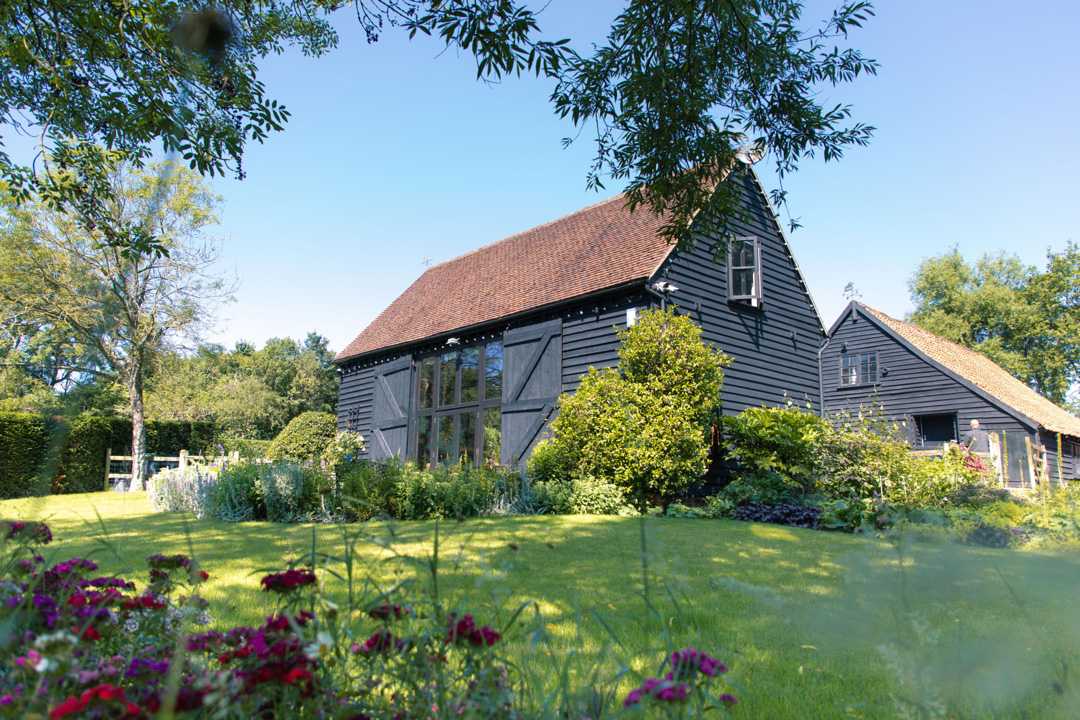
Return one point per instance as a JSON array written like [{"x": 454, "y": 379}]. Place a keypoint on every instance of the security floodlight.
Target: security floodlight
[
  {"x": 453, "y": 341},
  {"x": 664, "y": 286}
]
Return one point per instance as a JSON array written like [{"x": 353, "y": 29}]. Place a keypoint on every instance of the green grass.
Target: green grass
[{"x": 813, "y": 624}]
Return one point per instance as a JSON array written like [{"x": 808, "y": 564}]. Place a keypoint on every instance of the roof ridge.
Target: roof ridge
[
  {"x": 964, "y": 348},
  {"x": 519, "y": 233}
]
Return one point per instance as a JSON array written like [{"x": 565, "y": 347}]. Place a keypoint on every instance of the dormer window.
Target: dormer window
[{"x": 744, "y": 270}]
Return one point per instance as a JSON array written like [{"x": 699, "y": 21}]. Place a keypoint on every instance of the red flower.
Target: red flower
[
  {"x": 465, "y": 629},
  {"x": 89, "y": 633},
  {"x": 297, "y": 674},
  {"x": 69, "y": 707},
  {"x": 287, "y": 581}
]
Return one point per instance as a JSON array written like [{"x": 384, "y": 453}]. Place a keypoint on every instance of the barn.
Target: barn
[
  {"x": 467, "y": 363},
  {"x": 939, "y": 387}
]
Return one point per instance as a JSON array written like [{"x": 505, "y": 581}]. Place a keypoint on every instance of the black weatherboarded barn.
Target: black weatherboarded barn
[
  {"x": 469, "y": 361},
  {"x": 871, "y": 359}
]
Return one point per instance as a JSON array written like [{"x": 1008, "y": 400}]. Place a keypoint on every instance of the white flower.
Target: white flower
[
  {"x": 44, "y": 665},
  {"x": 131, "y": 625},
  {"x": 322, "y": 646},
  {"x": 63, "y": 637}
]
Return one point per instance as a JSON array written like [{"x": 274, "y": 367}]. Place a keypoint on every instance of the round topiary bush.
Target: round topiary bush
[{"x": 305, "y": 437}]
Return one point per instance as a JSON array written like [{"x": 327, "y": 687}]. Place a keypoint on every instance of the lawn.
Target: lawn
[{"x": 813, "y": 624}]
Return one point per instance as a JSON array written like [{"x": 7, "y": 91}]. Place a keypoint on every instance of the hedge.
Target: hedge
[
  {"x": 24, "y": 449},
  {"x": 304, "y": 438},
  {"x": 82, "y": 444}
]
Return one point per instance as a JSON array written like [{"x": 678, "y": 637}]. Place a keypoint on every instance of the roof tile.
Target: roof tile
[{"x": 598, "y": 247}]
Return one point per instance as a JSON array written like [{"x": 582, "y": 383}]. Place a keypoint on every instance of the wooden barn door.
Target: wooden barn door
[
  {"x": 390, "y": 409},
  {"x": 532, "y": 381}
]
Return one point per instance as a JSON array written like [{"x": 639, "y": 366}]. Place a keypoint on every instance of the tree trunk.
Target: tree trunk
[{"x": 138, "y": 426}]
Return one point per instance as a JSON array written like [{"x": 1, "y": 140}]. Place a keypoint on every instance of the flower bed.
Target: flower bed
[{"x": 100, "y": 646}]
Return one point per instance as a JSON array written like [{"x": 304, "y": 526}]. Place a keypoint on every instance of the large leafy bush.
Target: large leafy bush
[
  {"x": 790, "y": 455},
  {"x": 643, "y": 427},
  {"x": 289, "y": 492},
  {"x": 776, "y": 448},
  {"x": 456, "y": 491},
  {"x": 305, "y": 438}
]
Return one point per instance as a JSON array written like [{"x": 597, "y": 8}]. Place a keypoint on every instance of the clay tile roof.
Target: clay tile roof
[
  {"x": 985, "y": 374},
  {"x": 599, "y": 247}
]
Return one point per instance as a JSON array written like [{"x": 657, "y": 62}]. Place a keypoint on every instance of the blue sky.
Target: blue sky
[{"x": 395, "y": 154}]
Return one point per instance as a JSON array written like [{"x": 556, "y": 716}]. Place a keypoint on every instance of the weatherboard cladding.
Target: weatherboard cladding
[
  {"x": 774, "y": 346},
  {"x": 908, "y": 384}
]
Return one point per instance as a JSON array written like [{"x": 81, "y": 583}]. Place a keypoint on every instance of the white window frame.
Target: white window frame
[{"x": 756, "y": 296}]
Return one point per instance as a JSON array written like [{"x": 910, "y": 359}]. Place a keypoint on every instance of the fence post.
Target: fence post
[
  {"x": 183, "y": 460},
  {"x": 108, "y": 466}
]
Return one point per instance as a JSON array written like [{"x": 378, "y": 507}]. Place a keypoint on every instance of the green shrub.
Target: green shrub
[
  {"x": 644, "y": 427},
  {"x": 930, "y": 481},
  {"x": 719, "y": 506},
  {"x": 589, "y": 496},
  {"x": 305, "y": 437},
  {"x": 182, "y": 490},
  {"x": 548, "y": 498},
  {"x": 455, "y": 491},
  {"x": 235, "y": 497},
  {"x": 678, "y": 510},
  {"x": 843, "y": 514},
  {"x": 1055, "y": 513},
  {"x": 289, "y": 492},
  {"x": 861, "y": 456},
  {"x": 367, "y": 489},
  {"x": 777, "y": 447},
  {"x": 24, "y": 450},
  {"x": 548, "y": 463},
  {"x": 625, "y": 434},
  {"x": 770, "y": 488}
]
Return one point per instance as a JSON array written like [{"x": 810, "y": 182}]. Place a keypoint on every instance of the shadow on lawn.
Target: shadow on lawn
[{"x": 878, "y": 627}]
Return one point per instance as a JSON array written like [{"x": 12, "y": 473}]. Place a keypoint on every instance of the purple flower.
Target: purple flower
[
  {"x": 675, "y": 692},
  {"x": 139, "y": 666},
  {"x": 728, "y": 699}
]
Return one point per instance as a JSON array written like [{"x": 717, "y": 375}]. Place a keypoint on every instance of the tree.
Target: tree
[
  {"x": 125, "y": 303},
  {"x": 248, "y": 393},
  {"x": 682, "y": 86},
  {"x": 675, "y": 92},
  {"x": 1024, "y": 319}
]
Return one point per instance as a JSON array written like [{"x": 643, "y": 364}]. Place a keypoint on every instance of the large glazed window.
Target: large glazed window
[{"x": 459, "y": 400}]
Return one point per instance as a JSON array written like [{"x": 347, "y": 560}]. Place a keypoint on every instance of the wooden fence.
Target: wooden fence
[{"x": 161, "y": 462}]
